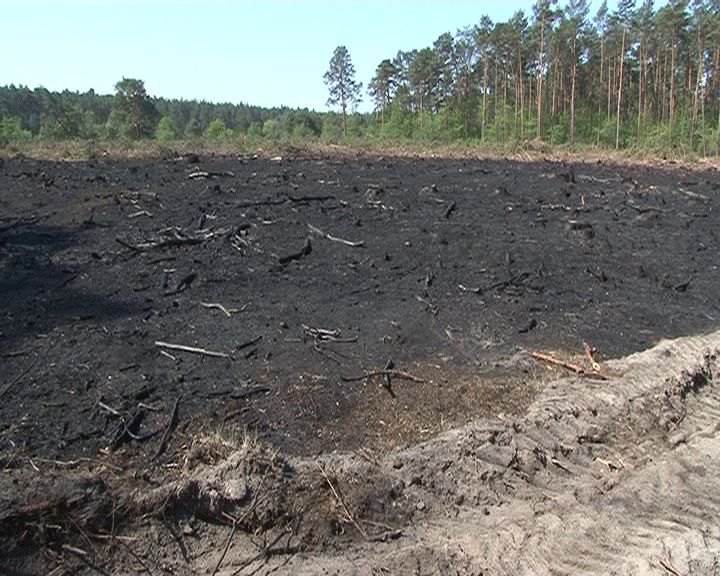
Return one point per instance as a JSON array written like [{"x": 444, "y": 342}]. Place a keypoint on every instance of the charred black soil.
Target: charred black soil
[
  {"x": 304, "y": 273},
  {"x": 305, "y": 364}
]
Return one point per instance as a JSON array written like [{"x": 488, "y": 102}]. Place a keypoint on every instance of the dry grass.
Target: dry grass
[
  {"x": 214, "y": 446},
  {"x": 524, "y": 152}
]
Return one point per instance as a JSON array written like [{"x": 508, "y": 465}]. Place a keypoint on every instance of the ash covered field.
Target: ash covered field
[{"x": 322, "y": 305}]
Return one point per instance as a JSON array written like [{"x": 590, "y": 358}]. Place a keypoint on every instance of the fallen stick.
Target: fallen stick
[
  {"x": 248, "y": 343},
  {"x": 310, "y": 198},
  {"x": 128, "y": 430},
  {"x": 73, "y": 463},
  {"x": 128, "y": 245},
  {"x": 579, "y": 370},
  {"x": 191, "y": 349},
  {"x": 140, "y": 213},
  {"x": 325, "y": 335},
  {"x": 449, "y": 210},
  {"x": 168, "y": 430},
  {"x": 107, "y": 408},
  {"x": 669, "y": 567},
  {"x": 348, "y": 516},
  {"x": 392, "y": 373},
  {"x": 83, "y": 556},
  {"x": 335, "y": 238},
  {"x": 242, "y": 394},
  {"x": 227, "y": 547},
  {"x": 203, "y": 174},
  {"x": 589, "y": 354},
  {"x": 18, "y": 377},
  {"x": 610, "y": 464},
  {"x": 227, "y": 311},
  {"x": 304, "y": 251}
]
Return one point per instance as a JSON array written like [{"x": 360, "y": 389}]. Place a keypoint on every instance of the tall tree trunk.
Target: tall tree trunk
[
  {"x": 422, "y": 90},
  {"x": 657, "y": 91},
  {"x": 672, "y": 91},
  {"x": 647, "y": 109},
  {"x": 495, "y": 90},
  {"x": 717, "y": 142},
  {"x": 640, "y": 96},
  {"x": 447, "y": 112},
  {"x": 716, "y": 79},
  {"x": 485, "y": 89},
  {"x": 704, "y": 134},
  {"x": 665, "y": 101},
  {"x": 696, "y": 103},
  {"x": 557, "y": 81},
  {"x": 540, "y": 80},
  {"x": 686, "y": 90},
  {"x": 572, "y": 94},
  {"x": 620, "y": 87},
  {"x": 611, "y": 75},
  {"x": 505, "y": 91},
  {"x": 530, "y": 99},
  {"x": 516, "y": 98},
  {"x": 600, "y": 87},
  {"x": 521, "y": 83}
]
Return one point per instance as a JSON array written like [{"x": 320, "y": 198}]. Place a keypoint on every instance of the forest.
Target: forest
[{"x": 639, "y": 76}]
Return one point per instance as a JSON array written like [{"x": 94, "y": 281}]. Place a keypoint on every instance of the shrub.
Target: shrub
[
  {"x": 217, "y": 130},
  {"x": 166, "y": 130},
  {"x": 11, "y": 130}
]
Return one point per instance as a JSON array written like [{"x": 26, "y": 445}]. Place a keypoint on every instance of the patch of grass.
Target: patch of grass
[
  {"x": 216, "y": 445},
  {"x": 531, "y": 150}
]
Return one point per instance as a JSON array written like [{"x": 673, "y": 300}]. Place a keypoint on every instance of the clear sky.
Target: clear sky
[{"x": 261, "y": 52}]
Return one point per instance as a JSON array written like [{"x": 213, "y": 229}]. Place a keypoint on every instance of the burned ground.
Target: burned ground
[{"x": 292, "y": 278}]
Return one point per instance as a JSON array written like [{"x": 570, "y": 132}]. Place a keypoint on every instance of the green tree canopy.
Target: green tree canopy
[
  {"x": 382, "y": 86},
  {"x": 133, "y": 106}
]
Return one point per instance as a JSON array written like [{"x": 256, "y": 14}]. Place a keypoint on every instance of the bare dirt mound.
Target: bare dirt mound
[{"x": 620, "y": 476}]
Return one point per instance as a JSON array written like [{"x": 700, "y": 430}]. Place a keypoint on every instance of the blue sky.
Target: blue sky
[{"x": 268, "y": 53}]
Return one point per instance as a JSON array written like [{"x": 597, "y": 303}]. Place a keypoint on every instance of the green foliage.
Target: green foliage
[
  {"x": 116, "y": 128},
  {"x": 91, "y": 128},
  {"x": 398, "y": 123},
  {"x": 479, "y": 85},
  {"x": 255, "y": 130},
  {"x": 560, "y": 131},
  {"x": 11, "y": 130},
  {"x": 271, "y": 129},
  {"x": 134, "y": 108},
  {"x": 217, "y": 130},
  {"x": 166, "y": 130},
  {"x": 193, "y": 129},
  {"x": 332, "y": 129}
]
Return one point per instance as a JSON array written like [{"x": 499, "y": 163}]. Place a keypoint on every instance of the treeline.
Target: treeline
[
  {"x": 41, "y": 114},
  {"x": 639, "y": 76}
]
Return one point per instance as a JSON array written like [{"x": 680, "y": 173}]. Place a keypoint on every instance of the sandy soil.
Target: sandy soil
[{"x": 278, "y": 453}]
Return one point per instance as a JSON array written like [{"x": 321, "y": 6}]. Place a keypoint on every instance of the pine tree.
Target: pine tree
[
  {"x": 133, "y": 106},
  {"x": 340, "y": 79},
  {"x": 382, "y": 87}
]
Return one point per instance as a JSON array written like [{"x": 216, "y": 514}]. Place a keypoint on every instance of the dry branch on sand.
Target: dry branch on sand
[{"x": 579, "y": 370}]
